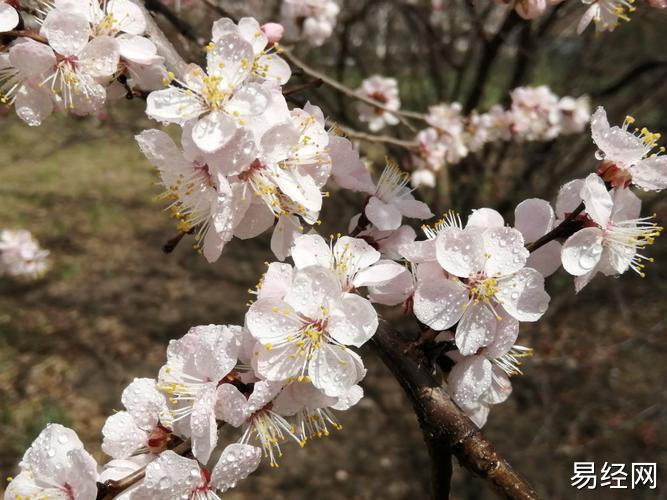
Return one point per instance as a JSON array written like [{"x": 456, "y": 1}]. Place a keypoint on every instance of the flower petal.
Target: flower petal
[
  {"x": 335, "y": 369},
  {"x": 279, "y": 363},
  {"x": 128, "y": 17},
  {"x": 66, "y": 32},
  {"x": 469, "y": 379},
  {"x": 384, "y": 216},
  {"x": 213, "y": 131},
  {"x": 505, "y": 251},
  {"x": 460, "y": 252},
  {"x": 121, "y": 436},
  {"x": 311, "y": 250},
  {"x": 569, "y": 198},
  {"x": 476, "y": 329},
  {"x": 485, "y": 217},
  {"x": 284, "y": 234},
  {"x": 353, "y": 320},
  {"x": 650, "y": 173},
  {"x": 439, "y": 302},
  {"x": 171, "y": 476},
  {"x": 202, "y": 422},
  {"x": 237, "y": 462},
  {"x": 533, "y": 218},
  {"x": 582, "y": 251},
  {"x": 31, "y": 58},
  {"x": 231, "y": 405},
  {"x": 144, "y": 402},
  {"x": 9, "y": 18},
  {"x": 312, "y": 288},
  {"x": 33, "y": 105},
  {"x": 271, "y": 320},
  {"x": 546, "y": 259},
  {"x": 523, "y": 296},
  {"x": 597, "y": 199},
  {"x": 173, "y": 105}
]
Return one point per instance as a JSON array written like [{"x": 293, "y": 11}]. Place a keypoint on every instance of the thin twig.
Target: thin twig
[
  {"x": 363, "y": 136},
  {"x": 26, "y": 34},
  {"x": 562, "y": 230},
  {"x": 300, "y": 88}
]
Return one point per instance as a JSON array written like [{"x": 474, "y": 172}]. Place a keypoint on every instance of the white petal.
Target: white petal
[
  {"x": 349, "y": 398},
  {"x": 393, "y": 292},
  {"x": 171, "y": 476},
  {"x": 237, "y": 462},
  {"x": 33, "y": 105},
  {"x": 312, "y": 288},
  {"x": 138, "y": 49},
  {"x": 202, "y": 421},
  {"x": 47, "y": 456},
  {"x": 485, "y": 217},
  {"x": 277, "y": 281},
  {"x": 618, "y": 145},
  {"x": 279, "y": 363},
  {"x": 250, "y": 100},
  {"x": 100, "y": 57},
  {"x": 505, "y": 251},
  {"x": 121, "y": 436},
  {"x": 650, "y": 173},
  {"x": 66, "y": 32},
  {"x": 412, "y": 208},
  {"x": 353, "y": 320},
  {"x": 173, "y": 105},
  {"x": 546, "y": 259},
  {"x": 23, "y": 486},
  {"x": 439, "y": 302},
  {"x": 213, "y": 131},
  {"x": 348, "y": 171},
  {"x": 379, "y": 273},
  {"x": 384, "y": 216},
  {"x": 356, "y": 252},
  {"x": 597, "y": 199},
  {"x": 500, "y": 389},
  {"x": 286, "y": 230},
  {"x": 302, "y": 189},
  {"x": 9, "y": 18},
  {"x": 627, "y": 206},
  {"x": 144, "y": 402},
  {"x": 507, "y": 332},
  {"x": 31, "y": 58},
  {"x": 278, "y": 141},
  {"x": 230, "y": 58},
  {"x": 213, "y": 245},
  {"x": 460, "y": 252},
  {"x": 231, "y": 405},
  {"x": 476, "y": 329},
  {"x": 534, "y": 218},
  {"x": 311, "y": 250},
  {"x": 523, "y": 296},
  {"x": 419, "y": 251},
  {"x": 81, "y": 475},
  {"x": 271, "y": 320},
  {"x": 273, "y": 67},
  {"x": 222, "y": 27},
  {"x": 263, "y": 393},
  {"x": 127, "y": 16},
  {"x": 249, "y": 29},
  {"x": 469, "y": 379},
  {"x": 335, "y": 369},
  {"x": 257, "y": 219},
  {"x": 582, "y": 251}
]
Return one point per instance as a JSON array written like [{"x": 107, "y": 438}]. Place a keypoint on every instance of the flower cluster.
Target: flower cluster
[
  {"x": 385, "y": 92},
  {"x": 312, "y": 20},
  {"x": 21, "y": 255},
  {"x": 536, "y": 114},
  {"x": 84, "y": 50}
]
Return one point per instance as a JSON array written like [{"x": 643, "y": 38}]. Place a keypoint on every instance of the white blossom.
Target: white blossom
[
  {"x": 21, "y": 255},
  {"x": 384, "y": 91}
]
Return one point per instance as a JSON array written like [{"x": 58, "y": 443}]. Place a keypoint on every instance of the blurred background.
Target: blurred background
[{"x": 595, "y": 388}]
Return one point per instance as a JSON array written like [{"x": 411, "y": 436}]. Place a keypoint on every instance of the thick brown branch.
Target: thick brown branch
[{"x": 444, "y": 425}]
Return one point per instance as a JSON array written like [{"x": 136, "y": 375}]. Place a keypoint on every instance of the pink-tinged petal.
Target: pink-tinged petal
[
  {"x": 216, "y": 349},
  {"x": 302, "y": 189},
  {"x": 627, "y": 206},
  {"x": 335, "y": 369},
  {"x": 66, "y": 32},
  {"x": 251, "y": 32},
  {"x": 275, "y": 31},
  {"x": 500, "y": 389},
  {"x": 146, "y": 77},
  {"x": 144, "y": 402},
  {"x": 276, "y": 112},
  {"x": 415, "y": 209},
  {"x": 202, "y": 422},
  {"x": 582, "y": 251},
  {"x": 505, "y": 251},
  {"x": 485, "y": 217},
  {"x": 171, "y": 476},
  {"x": 439, "y": 302},
  {"x": 469, "y": 379},
  {"x": 33, "y": 105},
  {"x": 352, "y": 320},
  {"x": 31, "y": 58},
  {"x": 277, "y": 281},
  {"x": 173, "y": 105},
  {"x": 393, "y": 292},
  {"x": 263, "y": 393},
  {"x": 460, "y": 252},
  {"x": 9, "y": 18},
  {"x": 138, "y": 49},
  {"x": 286, "y": 403},
  {"x": 234, "y": 158},
  {"x": 89, "y": 98},
  {"x": 385, "y": 216},
  {"x": 223, "y": 27},
  {"x": 356, "y": 251},
  {"x": 569, "y": 198},
  {"x": 213, "y": 245},
  {"x": 311, "y": 250},
  {"x": 476, "y": 329},
  {"x": 284, "y": 234},
  {"x": 231, "y": 58},
  {"x": 419, "y": 251},
  {"x": 231, "y": 405},
  {"x": 271, "y": 321},
  {"x": 651, "y": 173},
  {"x": 616, "y": 259},
  {"x": 597, "y": 199},
  {"x": 23, "y": 485},
  {"x": 507, "y": 331},
  {"x": 312, "y": 288},
  {"x": 390, "y": 242},
  {"x": 128, "y": 17},
  {"x": 616, "y": 144},
  {"x": 237, "y": 462},
  {"x": 279, "y": 363},
  {"x": 581, "y": 281},
  {"x": 213, "y": 131},
  {"x": 348, "y": 171},
  {"x": 349, "y": 398},
  {"x": 251, "y": 100},
  {"x": 81, "y": 475},
  {"x": 277, "y": 142},
  {"x": 257, "y": 219},
  {"x": 121, "y": 436},
  {"x": 533, "y": 218},
  {"x": 273, "y": 67},
  {"x": 585, "y": 20},
  {"x": 379, "y": 273},
  {"x": 100, "y": 57},
  {"x": 478, "y": 413},
  {"x": 523, "y": 296},
  {"x": 547, "y": 259}
]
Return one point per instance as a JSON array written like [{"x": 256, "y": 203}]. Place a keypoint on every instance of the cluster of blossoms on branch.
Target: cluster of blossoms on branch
[
  {"x": 535, "y": 114},
  {"x": 86, "y": 53},
  {"x": 21, "y": 256},
  {"x": 248, "y": 163},
  {"x": 310, "y": 20}
]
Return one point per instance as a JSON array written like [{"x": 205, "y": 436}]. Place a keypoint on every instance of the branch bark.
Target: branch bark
[{"x": 444, "y": 426}]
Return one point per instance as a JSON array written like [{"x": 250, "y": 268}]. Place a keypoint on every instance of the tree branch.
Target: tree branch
[
  {"x": 363, "y": 136},
  {"x": 444, "y": 426}
]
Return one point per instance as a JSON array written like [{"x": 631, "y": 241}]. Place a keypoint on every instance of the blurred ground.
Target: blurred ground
[{"x": 595, "y": 390}]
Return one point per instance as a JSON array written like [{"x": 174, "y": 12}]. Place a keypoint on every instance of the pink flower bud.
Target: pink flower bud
[{"x": 273, "y": 31}]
